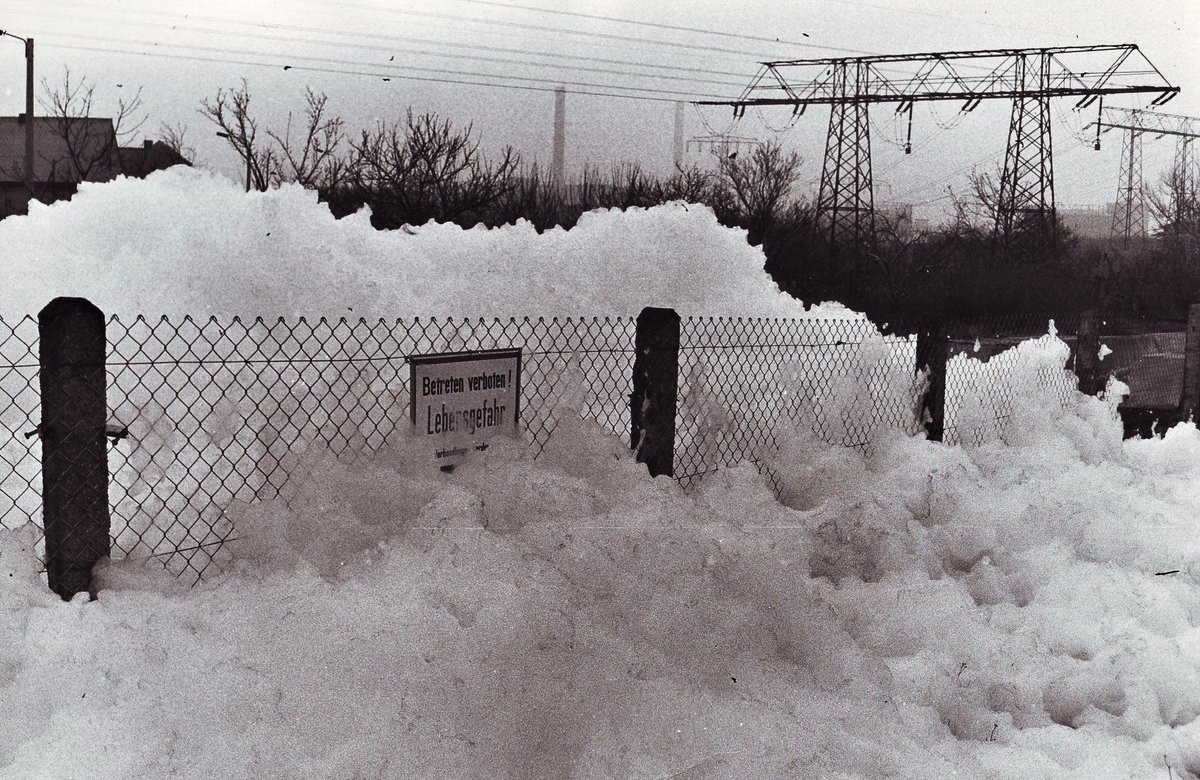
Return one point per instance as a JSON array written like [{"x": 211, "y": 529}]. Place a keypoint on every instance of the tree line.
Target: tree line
[{"x": 421, "y": 167}]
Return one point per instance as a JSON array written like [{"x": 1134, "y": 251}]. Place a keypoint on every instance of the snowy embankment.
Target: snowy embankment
[{"x": 916, "y": 610}]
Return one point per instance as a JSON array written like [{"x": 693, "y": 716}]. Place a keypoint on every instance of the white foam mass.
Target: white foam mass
[
  {"x": 185, "y": 241},
  {"x": 1025, "y": 607}
]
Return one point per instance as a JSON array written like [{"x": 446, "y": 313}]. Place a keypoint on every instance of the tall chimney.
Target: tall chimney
[
  {"x": 558, "y": 162},
  {"x": 679, "y": 107}
]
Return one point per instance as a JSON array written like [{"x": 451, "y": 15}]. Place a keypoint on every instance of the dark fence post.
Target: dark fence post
[
  {"x": 74, "y": 449},
  {"x": 931, "y": 357},
  {"x": 653, "y": 402},
  {"x": 1191, "y": 365},
  {"x": 1087, "y": 353}
]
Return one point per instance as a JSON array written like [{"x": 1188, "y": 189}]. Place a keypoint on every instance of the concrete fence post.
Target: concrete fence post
[
  {"x": 932, "y": 351},
  {"x": 74, "y": 449},
  {"x": 1191, "y": 365},
  {"x": 1087, "y": 354},
  {"x": 653, "y": 402}
]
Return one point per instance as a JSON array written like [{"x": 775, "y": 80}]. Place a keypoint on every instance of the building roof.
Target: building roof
[
  {"x": 90, "y": 141},
  {"x": 151, "y": 156},
  {"x": 94, "y": 142}
]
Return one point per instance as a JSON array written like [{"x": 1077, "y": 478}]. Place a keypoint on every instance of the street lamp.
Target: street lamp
[
  {"x": 28, "y": 107},
  {"x": 226, "y": 137}
]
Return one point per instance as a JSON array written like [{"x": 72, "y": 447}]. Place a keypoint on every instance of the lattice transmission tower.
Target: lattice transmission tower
[
  {"x": 1129, "y": 212},
  {"x": 1026, "y": 198},
  {"x": 1028, "y": 77}
]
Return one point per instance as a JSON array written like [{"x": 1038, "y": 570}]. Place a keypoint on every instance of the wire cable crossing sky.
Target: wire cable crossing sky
[{"x": 495, "y": 65}]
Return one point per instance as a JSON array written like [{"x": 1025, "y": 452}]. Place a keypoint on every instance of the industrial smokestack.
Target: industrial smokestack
[
  {"x": 679, "y": 133},
  {"x": 558, "y": 162}
]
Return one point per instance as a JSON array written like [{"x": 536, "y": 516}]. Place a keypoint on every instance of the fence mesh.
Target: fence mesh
[
  {"x": 21, "y": 412},
  {"x": 980, "y": 395},
  {"x": 220, "y": 411},
  {"x": 743, "y": 383},
  {"x": 1151, "y": 364},
  {"x": 223, "y": 410}
]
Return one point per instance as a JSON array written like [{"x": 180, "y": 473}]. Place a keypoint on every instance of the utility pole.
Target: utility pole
[
  {"x": 1183, "y": 180},
  {"x": 29, "y": 178},
  {"x": 29, "y": 114},
  {"x": 845, "y": 200},
  {"x": 1028, "y": 77},
  {"x": 1026, "y": 204}
]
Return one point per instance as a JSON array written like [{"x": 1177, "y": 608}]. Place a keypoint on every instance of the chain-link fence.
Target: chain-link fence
[
  {"x": 1150, "y": 364},
  {"x": 746, "y": 383},
  {"x": 20, "y": 415},
  {"x": 980, "y": 392},
  {"x": 224, "y": 410}
]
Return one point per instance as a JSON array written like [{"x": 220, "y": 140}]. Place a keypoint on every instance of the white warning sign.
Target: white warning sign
[{"x": 462, "y": 399}]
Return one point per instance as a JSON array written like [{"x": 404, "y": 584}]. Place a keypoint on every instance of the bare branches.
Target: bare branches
[
  {"x": 426, "y": 170},
  {"x": 1175, "y": 203},
  {"x": 91, "y": 146},
  {"x": 761, "y": 183},
  {"x": 230, "y": 111},
  {"x": 312, "y": 160},
  {"x": 174, "y": 136},
  {"x": 129, "y": 119}
]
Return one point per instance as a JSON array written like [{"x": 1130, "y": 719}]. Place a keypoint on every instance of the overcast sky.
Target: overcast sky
[{"x": 496, "y": 63}]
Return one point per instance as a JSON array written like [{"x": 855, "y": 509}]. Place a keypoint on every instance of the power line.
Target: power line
[
  {"x": 662, "y": 26},
  {"x": 308, "y": 30},
  {"x": 309, "y": 38},
  {"x": 550, "y": 85},
  {"x": 526, "y": 26},
  {"x": 288, "y": 59},
  {"x": 941, "y": 16}
]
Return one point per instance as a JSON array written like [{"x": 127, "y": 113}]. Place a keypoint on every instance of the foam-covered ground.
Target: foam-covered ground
[
  {"x": 184, "y": 241},
  {"x": 1026, "y": 608},
  {"x": 922, "y": 611}
]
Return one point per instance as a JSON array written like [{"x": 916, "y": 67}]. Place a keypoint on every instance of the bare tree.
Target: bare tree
[
  {"x": 311, "y": 159},
  {"x": 902, "y": 261},
  {"x": 983, "y": 210},
  {"x": 428, "y": 169},
  {"x": 230, "y": 111},
  {"x": 91, "y": 152},
  {"x": 536, "y": 196},
  {"x": 175, "y": 137},
  {"x": 761, "y": 182},
  {"x": 692, "y": 184},
  {"x": 1175, "y": 203}
]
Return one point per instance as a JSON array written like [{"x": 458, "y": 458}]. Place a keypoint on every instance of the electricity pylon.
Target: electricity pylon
[
  {"x": 1129, "y": 213},
  {"x": 1028, "y": 77},
  {"x": 1026, "y": 198},
  {"x": 722, "y": 143}
]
